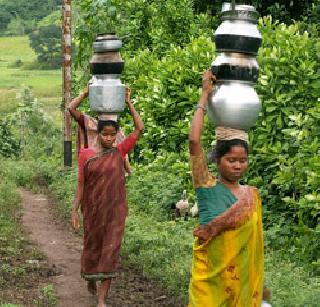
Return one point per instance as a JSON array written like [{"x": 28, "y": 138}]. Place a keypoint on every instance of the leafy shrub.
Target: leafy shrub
[
  {"x": 168, "y": 91},
  {"x": 155, "y": 187},
  {"x": 154, "y": 25},
  {"x": 9, "y": 145},
  {"x": 36, "y": 130}
]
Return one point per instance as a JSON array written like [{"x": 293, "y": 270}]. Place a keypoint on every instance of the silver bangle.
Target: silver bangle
[{"x": 200, "y": 106}]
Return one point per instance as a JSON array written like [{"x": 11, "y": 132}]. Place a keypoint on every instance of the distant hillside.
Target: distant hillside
[{"x": 27, "y": 12}]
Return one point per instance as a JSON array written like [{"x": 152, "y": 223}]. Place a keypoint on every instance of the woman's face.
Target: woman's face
[
  {"x": 107, "y": 136},
  {"x": 233, "y": 164}
]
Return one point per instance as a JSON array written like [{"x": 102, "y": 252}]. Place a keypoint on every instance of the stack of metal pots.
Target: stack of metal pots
[
  {"x": 106, "y": 92},
  {"x": 235, "y": 103}
]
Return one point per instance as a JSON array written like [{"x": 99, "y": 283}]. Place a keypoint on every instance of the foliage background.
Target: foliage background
[{"x": 167, "y": 45}]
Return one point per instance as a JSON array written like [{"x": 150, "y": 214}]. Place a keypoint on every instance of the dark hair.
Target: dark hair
[
  {"x": 103, "y": 123},
  {"x": 223, "y": 147}
]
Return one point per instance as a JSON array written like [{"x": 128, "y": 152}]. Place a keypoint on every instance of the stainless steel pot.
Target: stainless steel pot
[
  {"x": 234, "y": 104},
  {"x": 238, "y": 31},
  {"x": 107, "y": 94},
  {"x": 235, "y": 66}
]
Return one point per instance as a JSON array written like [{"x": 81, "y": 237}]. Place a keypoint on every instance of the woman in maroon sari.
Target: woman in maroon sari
[{"x": 101, "y": 194}]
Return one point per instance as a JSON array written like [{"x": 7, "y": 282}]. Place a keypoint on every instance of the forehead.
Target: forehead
[
  {"x": 237, "y": 151},
  {"x": 108, "y": 129}
]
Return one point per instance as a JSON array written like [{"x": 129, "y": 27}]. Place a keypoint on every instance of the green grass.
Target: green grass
[
  {"x": 290, "y": 285},
  {"x": 45, "y": 84}
]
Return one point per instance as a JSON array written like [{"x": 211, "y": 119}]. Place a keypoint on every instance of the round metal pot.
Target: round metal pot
[
  {"x": 107, "y": 94},
  {"x": 238, "y": 31},
  {"x": 235, "y": 66},
  {"x": 234, "y": 104}
]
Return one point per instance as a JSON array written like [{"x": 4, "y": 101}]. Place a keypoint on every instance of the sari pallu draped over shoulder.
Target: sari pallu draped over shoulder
[
  {"x": 104, "y": 209},
  {"x": 228, "y": 257}
]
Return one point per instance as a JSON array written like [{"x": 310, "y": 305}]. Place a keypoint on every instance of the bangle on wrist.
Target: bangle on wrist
[{"x": 201, "y": 106}]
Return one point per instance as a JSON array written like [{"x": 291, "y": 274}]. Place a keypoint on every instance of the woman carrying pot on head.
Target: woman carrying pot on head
[
  {"x": 228, "y": 259},
  {"x": 101, "y": 194},
  {"x": 87, "y": 130}
]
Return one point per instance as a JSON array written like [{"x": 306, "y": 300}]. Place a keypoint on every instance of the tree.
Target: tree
[
  {"x": 46, "y": 42},
  {"x": 27, "y": 10}
]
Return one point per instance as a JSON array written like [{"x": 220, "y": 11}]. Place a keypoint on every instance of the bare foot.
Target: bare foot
[{"x": 92, "y": 287}]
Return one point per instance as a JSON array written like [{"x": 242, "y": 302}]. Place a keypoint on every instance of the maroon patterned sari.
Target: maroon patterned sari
[{"x": 104, "y": 208}]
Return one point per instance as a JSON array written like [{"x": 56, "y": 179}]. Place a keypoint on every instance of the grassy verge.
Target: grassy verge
[
  {"x": 24, "y": 272},
  {"x": 14, "y": 74},
  {"x": 163, "y": 249}
]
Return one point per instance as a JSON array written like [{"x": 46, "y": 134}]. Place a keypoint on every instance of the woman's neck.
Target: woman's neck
[{"x": 229, "y": 184}]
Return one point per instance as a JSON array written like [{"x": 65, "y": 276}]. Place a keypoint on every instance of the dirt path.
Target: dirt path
[{"x": 63, "y": 248}]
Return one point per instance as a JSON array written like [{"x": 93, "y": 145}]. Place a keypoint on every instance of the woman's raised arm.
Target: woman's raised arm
[
  {"x": 197, "y": 123},
  {"x": 138, "y": 123},
  {"x": 74, "y": 104}
]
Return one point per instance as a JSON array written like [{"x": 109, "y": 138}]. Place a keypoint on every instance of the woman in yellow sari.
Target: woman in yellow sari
[{"x": 227, "y": 267}]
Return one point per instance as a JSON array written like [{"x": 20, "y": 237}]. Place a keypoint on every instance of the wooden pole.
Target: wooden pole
[{"x": 66, "y": 43}]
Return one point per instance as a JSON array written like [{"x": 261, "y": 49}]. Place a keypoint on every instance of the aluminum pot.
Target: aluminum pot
[
  {"x": 235, "y": 66},
  {"x": 234, "y": 104},
  {"x": 238, "y": 31},
  {"x": 107, "y": 94}
]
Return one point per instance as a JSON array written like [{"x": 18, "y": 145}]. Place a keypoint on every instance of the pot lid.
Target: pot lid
[
  {"x": 240, "y": 12},
  {"x": 106, "y": 36}
]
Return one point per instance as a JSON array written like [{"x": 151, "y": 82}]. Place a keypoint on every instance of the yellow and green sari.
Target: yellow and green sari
[{"x": 228, "y": 251}]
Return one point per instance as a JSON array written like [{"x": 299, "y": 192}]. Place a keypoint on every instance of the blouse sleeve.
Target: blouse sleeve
[
  {"x": 201, "y": 177},
  {"x": 127, "y": 145}
]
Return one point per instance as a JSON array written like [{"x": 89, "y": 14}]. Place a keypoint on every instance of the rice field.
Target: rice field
[{"x": 16, "y": 56}]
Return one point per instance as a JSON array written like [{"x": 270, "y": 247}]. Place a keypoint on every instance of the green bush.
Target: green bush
[
  {"x": 155, "y": 187},
  {"x": 286, "y": 146},
  {"x": 153, "y": 25},
  {"x": 9, "y": 144}
]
